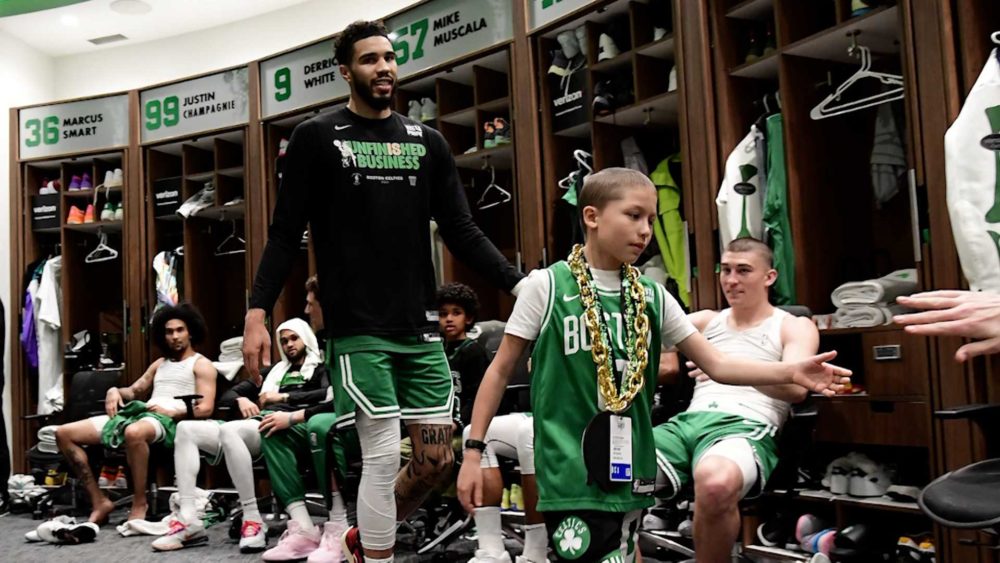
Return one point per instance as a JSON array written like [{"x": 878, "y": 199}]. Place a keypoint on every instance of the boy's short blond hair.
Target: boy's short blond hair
[
  {"x": 749, "y": 244},
  {"x": 606, "y": 186}
]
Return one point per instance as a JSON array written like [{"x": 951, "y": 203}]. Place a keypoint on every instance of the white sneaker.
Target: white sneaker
[
  {"x": 483, "y": 556},
  {"x": 570, "y": 46},
  {"x": 116, "y": 179},
  {"x": 428, "y": 109},
  {"x": 181, "y": 535},
  {"x": 653, "y": 522},
  {"x": 119, "y": 215},
  {"x": 46, "y": 530},
  {"x": 414, "y": 112},
  {"x": 253, "y": 536},
  {"x": 869, "y": 479},
  {"x": 659, "y": 33},
  {"x": 49, "y": 188},
  {"x": 838, "y": 474},
  {"x": 107, "y": 214},
  {"x": 606, "y": 48},
  {"x": 672, "y": 83},
  {"x": 581, "y": 39}
]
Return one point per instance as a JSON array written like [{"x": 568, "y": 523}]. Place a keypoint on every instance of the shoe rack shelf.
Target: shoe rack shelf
[
  {"x": 775, "y": 553},
  {"x": 824, "y": 496},
  {"x": 646, "y": 108},
  {"x": 468, "y": 94},
  {"x": 214, "y": 281}
]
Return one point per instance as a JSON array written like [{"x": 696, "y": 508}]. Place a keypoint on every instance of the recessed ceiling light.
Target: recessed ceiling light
[
  {"x": 131, "y": 7},
  {"x": 69, "y": 20}
]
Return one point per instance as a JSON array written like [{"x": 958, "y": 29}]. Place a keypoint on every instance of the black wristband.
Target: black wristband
[{"x": 471, "y": 444}]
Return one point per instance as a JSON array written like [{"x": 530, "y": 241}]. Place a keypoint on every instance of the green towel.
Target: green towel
[{"x": 113, "y": 434}]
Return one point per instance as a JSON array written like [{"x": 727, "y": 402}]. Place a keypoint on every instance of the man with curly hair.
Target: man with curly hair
[{"x": 152, "y": 410}]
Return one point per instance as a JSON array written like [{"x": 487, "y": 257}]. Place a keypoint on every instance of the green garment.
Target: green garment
[
  {"x": 669, "y": 227},
  {"x": 284, "y": 450},
  {"x": 113, "y": 434},
  {"x": 777, "y": 228}
]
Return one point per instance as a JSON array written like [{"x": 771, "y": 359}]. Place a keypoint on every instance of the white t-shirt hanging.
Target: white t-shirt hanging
[
  {"x": 972, "y": 159},
  {"x": 48, "y": 326},
  {"x": 740, "y": 201}
]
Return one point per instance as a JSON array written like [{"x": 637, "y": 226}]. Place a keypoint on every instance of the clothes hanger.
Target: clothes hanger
[
  {"x": 567, "y": 182},
  {"x": 103, "y": 252},
  {"x": 179, "y": 251},
  {"x": 828, "y": 107},
  {"x": 221, "y": 250},
  {"x": 583, "y": 159},
  {"x": 492, "y": 186},
  {"x": 995, "y": 38}
]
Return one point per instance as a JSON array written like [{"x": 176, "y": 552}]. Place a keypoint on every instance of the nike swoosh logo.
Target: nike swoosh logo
[
  {"x": 340, "y": 127},
  {"x": 568, "y": 298}
]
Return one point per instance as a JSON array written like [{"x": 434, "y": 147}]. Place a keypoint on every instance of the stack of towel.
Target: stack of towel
[
  {"x": 230, "y": 357},
  {"x": 873, "y": 302}
]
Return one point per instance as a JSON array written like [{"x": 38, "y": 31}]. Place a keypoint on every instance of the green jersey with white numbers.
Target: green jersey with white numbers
[{"x": 564, "y": 399}]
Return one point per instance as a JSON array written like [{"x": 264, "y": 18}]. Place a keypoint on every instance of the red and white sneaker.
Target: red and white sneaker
[
  {"x": 181, "y": 535},
  {"x": 253, "y": 537},
  {"x": 350, "y": 542}
]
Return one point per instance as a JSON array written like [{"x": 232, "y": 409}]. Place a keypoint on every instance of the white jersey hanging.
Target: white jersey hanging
[
  {"x": 741, "y": 197},
  {"x": 972, "y": 166}
]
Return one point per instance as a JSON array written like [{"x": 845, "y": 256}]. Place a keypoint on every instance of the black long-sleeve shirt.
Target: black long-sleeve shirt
[
  {"x": 368, "y": 189},
  {"x": 310, "y": 393}
]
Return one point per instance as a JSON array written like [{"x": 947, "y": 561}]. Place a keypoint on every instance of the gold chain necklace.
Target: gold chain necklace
[{"x": 638, "y": 355}]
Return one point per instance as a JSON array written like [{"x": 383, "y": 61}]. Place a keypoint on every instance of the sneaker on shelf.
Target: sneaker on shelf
[
  {"x": 329, "y": 550},
  {"x": 655, "y": 520},
  {"x": 55, "y": 478},
  {"x": 502, "y": 134},
  {"x": 75, "y": 216},
  {"x": 49, "y": 188},
  {"x": 570, "y": 46},
  {"x": 180, "y": 534},
  {"x": 108, "y": 475},
  {"x": 116, "y": 179},
  {"x": 516, "y": 494},
  {"x": 428, "y": 109},
  {"x": 560, "y": 64},
  {"x": 505, "y": 499},
  {"x": 604, "y": 98},
  {"x": 85, "y": 183},
  {"x": 927, "y": 552},
  {"x": 484, "y": 556},
  {"x": 869, "y": 479},
  {"x": 108, "y": 212},
  {"x": 120, "y": 481},
  {"x": 296, "y": 543},
  {"x": 776, "y": 531},
  {"x": 350, "y": 545},
  {"x": 253, "y": 536},
  {"x": 838, "y": 474},
  {"x": 74, "y": 184},
  {"x": 755, "y": 50},
  {"x": 606, "y": 48},
  {"x": 235, "y": 201},
  {"x": 907, "y": 550},
  {"x": 119, "y": 211},
  {"x": 770, "y": 43},
  {"x": 581, "y": 39},
  {"x": 471, "y": 149},
  {"x": 672, "y": 81},
  {"x": 659, "y": 33},
  {"x": 88, "y": 216},
  {"x": 414, "y": 111},
  {"x": 859, "y": 8},
  {"x": 489, "y": 140},
  {"x": 282, "y": 147},
  {"x": 814, "y": 535}
]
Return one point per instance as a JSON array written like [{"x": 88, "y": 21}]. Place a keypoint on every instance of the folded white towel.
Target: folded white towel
[
  {"x": 863, "y": 316},
  {"x": 881, "y": 290},
  {"x": 228, "y": 369},
  {"x": 47, "y": 439},
  {"x": 231, "y": 350}
]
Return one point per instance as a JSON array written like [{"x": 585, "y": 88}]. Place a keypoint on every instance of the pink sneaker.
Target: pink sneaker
[
  {"x": 329, "y": 547},
  {"x": 296, "y": 543}
]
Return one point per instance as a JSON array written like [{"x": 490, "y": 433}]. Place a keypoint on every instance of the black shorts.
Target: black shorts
[{"x": 592, "y": 536}]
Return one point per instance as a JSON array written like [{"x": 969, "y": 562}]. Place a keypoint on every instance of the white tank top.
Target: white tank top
[
  {"x": 173, "y": 379},
  {"x": 761, "y": 342}
]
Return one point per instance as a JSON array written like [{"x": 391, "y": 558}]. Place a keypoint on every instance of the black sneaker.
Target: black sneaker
[{"x": 776, "y": 531}]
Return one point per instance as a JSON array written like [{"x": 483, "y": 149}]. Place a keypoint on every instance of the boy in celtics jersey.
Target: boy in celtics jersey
[
  {"x": 598, "y": 328},
  {"x": 725, "y": 440}
]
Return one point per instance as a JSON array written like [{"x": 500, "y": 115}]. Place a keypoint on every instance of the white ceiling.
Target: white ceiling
[{"x": 46, "y": 31}]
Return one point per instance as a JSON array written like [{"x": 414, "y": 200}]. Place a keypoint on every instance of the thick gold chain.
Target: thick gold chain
[{"x": 638, "y": 356}]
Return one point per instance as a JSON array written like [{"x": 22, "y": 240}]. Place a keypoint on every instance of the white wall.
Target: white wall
[
  {"x": 133, "y": 66},
  {"x": 28, "y": 77}
]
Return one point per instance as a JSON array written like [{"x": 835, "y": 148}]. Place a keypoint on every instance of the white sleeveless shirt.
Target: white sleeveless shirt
[
  {"x": 173, "y": 379},
  {"x": 761, "y": 342}
]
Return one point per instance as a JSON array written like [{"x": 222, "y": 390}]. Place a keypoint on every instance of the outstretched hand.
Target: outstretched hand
[
  {"x": 816, "y": 375},
  {"x": 967, "y": 314}
]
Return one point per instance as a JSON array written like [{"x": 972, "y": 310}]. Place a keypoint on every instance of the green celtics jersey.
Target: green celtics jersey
[{"x": 564, "y": 399}]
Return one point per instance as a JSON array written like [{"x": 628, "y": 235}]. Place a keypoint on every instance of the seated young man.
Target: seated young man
[
  {"x": 181, "y": 371},
  {"x": 300, "y": 378},
  {"x": 725, "y": 439}
]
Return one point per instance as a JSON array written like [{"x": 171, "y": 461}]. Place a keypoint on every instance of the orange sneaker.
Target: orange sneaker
[
  {"x": 75, "y": 216},
  {"x": 88, "y": 217}
]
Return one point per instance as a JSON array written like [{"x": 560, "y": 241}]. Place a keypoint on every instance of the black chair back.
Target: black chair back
[{"x": 87, "y": 390}]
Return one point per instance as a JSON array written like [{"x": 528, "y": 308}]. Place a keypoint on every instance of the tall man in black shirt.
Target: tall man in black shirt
[{"x": 368, "y": 181}]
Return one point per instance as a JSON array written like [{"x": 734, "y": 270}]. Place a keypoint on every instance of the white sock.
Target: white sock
[
  {"x": 536, "y": 543},
  {"x": 297, "y": 511},
  {"x": 250, "y": 511},
  {"x": 338, "y": 512},
  {"x": 488, "y": 529}
]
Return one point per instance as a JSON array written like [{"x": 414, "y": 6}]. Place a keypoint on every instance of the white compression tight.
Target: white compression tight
[
  {"x": 238, "y": 440},
  {"x": 510, "y": 436},
  {"x": 376, "y": 495}
]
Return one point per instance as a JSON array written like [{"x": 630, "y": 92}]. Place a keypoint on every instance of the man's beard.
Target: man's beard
[
  {"x": 364, "y": 91},
  {"x": 177, "y": 352}
]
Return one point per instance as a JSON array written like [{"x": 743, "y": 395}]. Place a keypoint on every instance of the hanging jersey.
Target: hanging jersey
[
  {"x": 669, "y": 228},
  {"x": 777, "y": 228},
  {"x": 761, "y": 342},
  {"x": 564, "y": 399},
  {"x": 741, "y": 197},
  {"x": 972, "y": 167},
  {"x": 173, "y": 379}
]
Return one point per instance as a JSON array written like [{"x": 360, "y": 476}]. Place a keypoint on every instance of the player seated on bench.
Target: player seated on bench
[{"x": 147, "y": 411}]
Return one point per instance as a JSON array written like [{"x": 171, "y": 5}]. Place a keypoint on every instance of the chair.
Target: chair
[{"x": 967, "y": 498}]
